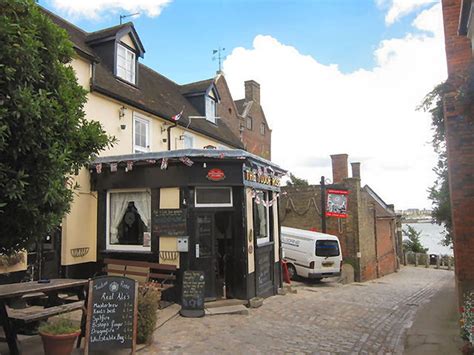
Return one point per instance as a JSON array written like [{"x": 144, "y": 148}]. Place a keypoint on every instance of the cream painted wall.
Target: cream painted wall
[
  {"x": 250, "y": 246},
  {"x": 276, "y": 235},
  {"x": 128, "y": 41},
  {"x": 169, "y": 197},
  {"x": 83, "y": 70}
]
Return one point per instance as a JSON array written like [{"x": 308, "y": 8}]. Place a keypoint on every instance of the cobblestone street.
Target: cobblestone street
[{"x": 369, "y": 317}]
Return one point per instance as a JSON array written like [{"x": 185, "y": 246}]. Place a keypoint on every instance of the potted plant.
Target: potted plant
[{"x": 59, "y": 336}]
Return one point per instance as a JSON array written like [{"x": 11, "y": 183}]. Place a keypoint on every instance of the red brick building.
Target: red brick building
[
  {"x": 370, "y": 236},
  {"x": 459, "y": 125}
]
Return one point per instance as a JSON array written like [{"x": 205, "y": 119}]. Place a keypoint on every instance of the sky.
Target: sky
[{"x": 336, "y": 76}]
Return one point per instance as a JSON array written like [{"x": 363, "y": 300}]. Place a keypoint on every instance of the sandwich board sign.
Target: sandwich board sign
[{"x": 111, "y": 314}]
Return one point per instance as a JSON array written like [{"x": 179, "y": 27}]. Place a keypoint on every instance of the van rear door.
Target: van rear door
[{"x": 328, "y": 255}]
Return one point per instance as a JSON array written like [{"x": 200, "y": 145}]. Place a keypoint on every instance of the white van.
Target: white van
[{"x": 311, "y": 254}]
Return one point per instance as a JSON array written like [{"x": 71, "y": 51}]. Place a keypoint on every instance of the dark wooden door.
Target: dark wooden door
[{"x": 205, "y": 253}]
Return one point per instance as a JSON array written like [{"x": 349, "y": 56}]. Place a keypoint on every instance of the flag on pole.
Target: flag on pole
[{"x": 177, "y": 116}]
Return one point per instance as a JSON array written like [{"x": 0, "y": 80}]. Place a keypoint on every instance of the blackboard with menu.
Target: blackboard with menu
[
  {"x": 169, "y": 222},
  {"x": 192, "y": 303},
  {"x": 111, "y": 313}
]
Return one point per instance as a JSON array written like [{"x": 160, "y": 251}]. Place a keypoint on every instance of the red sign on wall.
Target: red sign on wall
[
  {"x": 215, "y": 175},
  {"x": 336, "y": 205}
]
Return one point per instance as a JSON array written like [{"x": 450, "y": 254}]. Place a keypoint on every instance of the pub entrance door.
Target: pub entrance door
[{"x": 213, "y": 252}]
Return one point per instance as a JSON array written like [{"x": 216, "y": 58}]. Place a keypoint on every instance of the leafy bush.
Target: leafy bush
[
  {"x": 148, "y": 302},
  {"x": 59, "y": 326}
]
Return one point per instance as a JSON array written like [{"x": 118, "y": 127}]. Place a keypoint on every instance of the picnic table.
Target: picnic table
[{"x": 17, "y": 290}]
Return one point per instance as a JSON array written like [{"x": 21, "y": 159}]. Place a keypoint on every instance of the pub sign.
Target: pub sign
[{"x": 336, "y": 205}]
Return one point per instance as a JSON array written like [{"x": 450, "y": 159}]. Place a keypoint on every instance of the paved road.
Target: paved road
[{"x": 321, "y": 318}]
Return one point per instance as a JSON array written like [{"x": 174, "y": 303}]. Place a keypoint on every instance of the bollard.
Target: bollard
[
  {"x": 427, "y": 261},
  {"x": 416, "y": 259},
  {"x": 405, "y": 258},
  {"x": 438, "y": 260},
  {"x": 449, "y": 263}
]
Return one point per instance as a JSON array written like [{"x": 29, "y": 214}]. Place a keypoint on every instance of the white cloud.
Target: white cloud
[
  {"x": 316, "y": 110},
  {"x": 93, "y": 9},
  {"x": 400, "y": 8}
]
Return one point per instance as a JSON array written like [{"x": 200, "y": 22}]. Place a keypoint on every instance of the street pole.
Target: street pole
[{"x": 323, "y": 204}]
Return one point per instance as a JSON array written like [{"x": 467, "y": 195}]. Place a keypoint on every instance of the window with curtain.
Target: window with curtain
[
  {"x": 129, "y": 218},
  {"x": 261, "y": 217},
  {"x": 141, "y": 135}
]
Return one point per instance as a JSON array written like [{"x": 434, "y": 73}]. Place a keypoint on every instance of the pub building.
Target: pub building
[{"x": 210, "y": 210}]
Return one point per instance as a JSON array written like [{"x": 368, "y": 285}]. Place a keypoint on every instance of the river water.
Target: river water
[{"x": 431, "y": 235}]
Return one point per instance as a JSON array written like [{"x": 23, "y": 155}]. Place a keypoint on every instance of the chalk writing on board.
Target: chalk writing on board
[
  {"x": 193, "y": 293},
  {"x": 111, "y": 319},
  {"x": 169, "y": 222}
]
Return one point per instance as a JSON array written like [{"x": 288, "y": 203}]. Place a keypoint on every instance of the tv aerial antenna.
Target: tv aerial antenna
[{"x": 128, "y": 15}]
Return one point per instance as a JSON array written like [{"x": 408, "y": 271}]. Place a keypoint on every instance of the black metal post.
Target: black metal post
[{"x": 323, "y": 204}]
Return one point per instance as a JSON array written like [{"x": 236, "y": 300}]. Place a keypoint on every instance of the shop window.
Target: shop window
[
  {"x": 128, "y": 220},
  {"x": 213, "y": 197},
  {"x": 125, "y": 64},
  {"x": 261, "y": 214},
  {"x": 141, "y": 135}
]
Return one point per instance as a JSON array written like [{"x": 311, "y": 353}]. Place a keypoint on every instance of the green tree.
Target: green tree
[
  {"x": 44, "y": 136},
  {"x": 296, "y": 181},
  {"x": 413, "y": 242},
  {"x": 439, "y": 191}
]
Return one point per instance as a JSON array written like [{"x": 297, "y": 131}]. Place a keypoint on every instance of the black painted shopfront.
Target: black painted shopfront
[{"x": 222, "y": 222}]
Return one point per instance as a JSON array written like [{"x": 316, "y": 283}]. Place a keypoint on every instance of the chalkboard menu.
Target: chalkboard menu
[
  {"x": 193, "y": 294},
  {"x": 264, "y": 274},
  {"x": 169, "y": 222},
  {"x": 111, "y": 313}
]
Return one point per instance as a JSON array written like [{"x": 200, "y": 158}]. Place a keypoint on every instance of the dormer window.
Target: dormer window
[
  {"x": 125, "y": 64},
  {"x": 210, "y": 109}
]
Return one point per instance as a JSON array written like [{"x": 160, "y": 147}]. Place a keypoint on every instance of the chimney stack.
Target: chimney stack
[
  {"x": 355, "y": 170},
  {"x": 252, "y": 91},
  {"x": 340, "y": 170}
]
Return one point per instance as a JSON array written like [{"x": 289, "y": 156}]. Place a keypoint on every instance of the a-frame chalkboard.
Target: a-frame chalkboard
[{"x": 111, "y": 314}]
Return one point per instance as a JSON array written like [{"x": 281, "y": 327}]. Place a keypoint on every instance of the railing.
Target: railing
[{"x": 428, "y": 260}]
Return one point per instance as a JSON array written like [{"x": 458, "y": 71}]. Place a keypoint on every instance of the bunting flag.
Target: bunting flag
[
  {"x": 129, "y": 166},
  {"x": 98, "y": 168},
  {"x": 221, "y": 156},
  {"x": 151, "y": 161},
  {"x": 177, "y": 116},
  {"x": 164, "y": 164},
  {"x": 186, "y": 161},
  {"x": 113, "y": 167}
]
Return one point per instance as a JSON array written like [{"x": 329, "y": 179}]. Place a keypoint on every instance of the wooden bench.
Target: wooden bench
[
  {"x": 32, "y": 314},
  {"x": 142, "y": 271}
]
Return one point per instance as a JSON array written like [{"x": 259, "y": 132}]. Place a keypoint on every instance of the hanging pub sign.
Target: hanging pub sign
[
  {"x": 215, "y": 175},
  {"x": 336, "y": 203},
  {"x": 261, "y": 176}
]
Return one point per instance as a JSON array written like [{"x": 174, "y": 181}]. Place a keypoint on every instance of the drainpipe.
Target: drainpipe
[{"x": 169, "y": 134}]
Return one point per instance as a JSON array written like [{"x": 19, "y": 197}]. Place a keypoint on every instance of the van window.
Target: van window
[{"x": 327, "y": 248}]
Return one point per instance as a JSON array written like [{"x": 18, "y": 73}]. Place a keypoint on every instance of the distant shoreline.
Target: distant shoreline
[{"x": 418, "y": 220}]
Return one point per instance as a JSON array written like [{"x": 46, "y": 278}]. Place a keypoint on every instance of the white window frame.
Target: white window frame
[
  {"x": 265, "y": 240},
  {"x": 129, "y": 65},
  {"x": 190, "y": 137},
  {"x": 121, "y": 247},
  {"x": 138, "y": 148},
  {"x": 230, "y": 204},
  {"x": 262, "y": 129},
  {"x": 210, "y": 109}
]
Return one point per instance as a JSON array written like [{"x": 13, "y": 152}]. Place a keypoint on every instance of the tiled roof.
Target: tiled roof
[
  {"x": 154, "y": 93},
  {"x": 197, "y": 87}
]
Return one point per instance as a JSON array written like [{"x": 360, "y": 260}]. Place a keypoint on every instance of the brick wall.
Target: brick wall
[
  {"x": 386, "y": 247},
  {"x": 460, "y": 146},
  {"x": 368, "y": 259},
  {"x": 226, "y": 108}
]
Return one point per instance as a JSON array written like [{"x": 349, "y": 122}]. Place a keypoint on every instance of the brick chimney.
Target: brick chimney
[
  {"x": 355, "y": 170},
  {"x": 252, "y": 91},
  {"x": 339, "y": 168}
]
